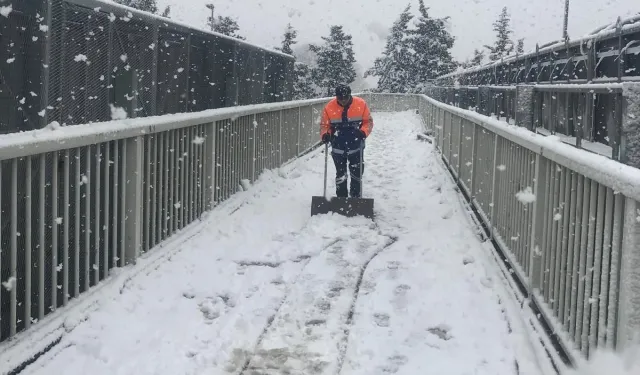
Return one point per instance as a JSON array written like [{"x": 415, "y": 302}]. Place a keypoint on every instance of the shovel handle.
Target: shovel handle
[{"x": 326, "y": 161}]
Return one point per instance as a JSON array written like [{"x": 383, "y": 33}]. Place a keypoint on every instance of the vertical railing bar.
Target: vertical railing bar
[
  {"x": 566, "y": 314},
  {"x": 87, "y": 221},
  {"x": 562, "y": 205},
  {"x": 183, "y": 175},
  {"x": 41, "y": 242},
  {"x": 494, "y": 174},
  {"x": 190, "y": 173},
  {"x": 606, "y": 269},
  {"x": 65, "y": 228},
  {"x": 1, "y": 255},
  {"x": 553, "y": 266},
  {"x": 583, "y": 262},
  {"x": 172, "y": 181},
  {"x": 614, "y": 275},
  {"x": 115, "y": 243},
  {"x": 54, "y": 232},
  {"x": 155, "y": 188},
  {"x": 107, "y": 202},
  {"x": 146, "y": 217},
  {"x": 123, "y": 207},
  {"x": 576, "y": 256},
  {"x": 28, "y": 266},
  {"x": 165, "y": 185},
  {"x": 96, "y": 238},
  {"x": 564, "y": 252},
  {"x": 586, "y": 321},
  {"x": 597, "y": 269},
  {"x": 13, "y": 256},
  {"x": 546, "y": 228},
  {"x": 549, "y": 229},
  {"x": 76, "y": 237}
]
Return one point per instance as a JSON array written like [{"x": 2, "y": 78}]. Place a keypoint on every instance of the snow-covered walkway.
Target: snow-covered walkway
[{"x": 267, "y": 289}]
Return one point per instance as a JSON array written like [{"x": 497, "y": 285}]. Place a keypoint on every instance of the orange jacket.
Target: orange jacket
[{"x": 358, "y": 115}]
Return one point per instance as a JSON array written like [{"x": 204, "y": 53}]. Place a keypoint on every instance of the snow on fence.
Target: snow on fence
[
  {"x": 567, "y": 220},
  {"x": 79, "y": 201}
]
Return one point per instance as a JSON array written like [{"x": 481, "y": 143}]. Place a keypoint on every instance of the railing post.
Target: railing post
[
  {"x": 474, "y": 157},
  {"x": 280, "y": 138},
  {"x": 537, "y": 222},
  {"x": 133, "y": 198},
  {"x": 524, "y": 106},
  {"x": 630, "y": 123},
  {"x": 494, "y": 183},
  {"x": 299, "y": 131},
  {"x": 629, "y": 300},
  {"x": 253, "y": 158},
  {"x": 210, "y": 162}
]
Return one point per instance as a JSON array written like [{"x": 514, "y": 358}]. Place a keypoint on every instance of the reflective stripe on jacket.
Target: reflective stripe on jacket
[{"x": 357, "y": 116}]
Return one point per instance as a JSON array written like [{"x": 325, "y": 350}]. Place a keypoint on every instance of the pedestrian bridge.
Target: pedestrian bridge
[{"x": 183, "y": 244}]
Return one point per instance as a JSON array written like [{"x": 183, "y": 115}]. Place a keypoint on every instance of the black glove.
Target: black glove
[
  {"x": 362, "y": 134},
  {"x": 326, "y": 138}
]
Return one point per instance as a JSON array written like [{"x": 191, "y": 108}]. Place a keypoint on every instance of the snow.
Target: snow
[
  {"x": 526, "y": 196},
  {"x": 118, "y": 113},
  {"x": 6, "y": 10},
  {"x": 265, "y": 288}
]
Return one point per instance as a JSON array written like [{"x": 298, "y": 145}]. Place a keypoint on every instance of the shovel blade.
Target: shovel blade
[{"x": 349, "y": 207}]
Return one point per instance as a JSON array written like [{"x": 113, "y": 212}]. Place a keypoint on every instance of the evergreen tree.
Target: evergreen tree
[
  {"x": 432, "y": 43},
  {"x": 394, "y": 66},
  {"x": 302, "y": 85},
  {"x": 290, "y": 35},
  {"x": 335, "y": 59},
  {"x": 226, "y": 26},
  {"x": 520, "y": 47},
  {"x": 146, "y": 6},
  {"x": 503, "y": 45}
]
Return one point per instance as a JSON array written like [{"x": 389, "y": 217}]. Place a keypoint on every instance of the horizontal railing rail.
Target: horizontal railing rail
[{"x": 567, "y": 220}]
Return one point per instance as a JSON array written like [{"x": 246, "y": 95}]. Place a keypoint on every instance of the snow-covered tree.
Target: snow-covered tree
[
  {"x": 503, "y": 45},
  {"x": 432, "y": 44},
  {"x": 145, "y": 5},
  {"x": 394, "y": 67},
  {"x": 335, "y": 59},
  {"x": 302, "y": 84},
  {"x": 226, "y": 26},
  {"x": 520, "y": 47},
  {"x": 288, "y": 40},
  {"x": 476, "y": 60}
]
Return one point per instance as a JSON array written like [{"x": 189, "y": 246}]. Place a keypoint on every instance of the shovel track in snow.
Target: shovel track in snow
[{"x": 349, "y": 322}]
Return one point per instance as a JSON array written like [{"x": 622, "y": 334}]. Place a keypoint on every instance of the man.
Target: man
[{"x": 346, "y": 123}]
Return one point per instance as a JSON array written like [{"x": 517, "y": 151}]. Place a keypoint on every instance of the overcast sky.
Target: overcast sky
[{"x": 263, "y": 21}]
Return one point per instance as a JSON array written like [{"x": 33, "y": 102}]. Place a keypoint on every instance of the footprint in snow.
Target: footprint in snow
[
  {"x": 401, "y": 290},
  {"x": 442, "y": 331},
  {"x": 381, "y": 320}
]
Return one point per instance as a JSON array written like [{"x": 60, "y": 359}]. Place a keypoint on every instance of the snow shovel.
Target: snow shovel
[{"x": 349, "y": 207}]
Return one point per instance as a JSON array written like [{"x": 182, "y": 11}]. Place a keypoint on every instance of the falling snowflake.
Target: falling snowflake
[
  {"x": 6, "y": 10},
  {"x": 177, "y": 205},
  {"x": 11, "y": 60},
  {"x": 84, "y": 180},
  {"x": 198, "y": 140},
  {"x": 81, "y": 57},
  {"x": 42, "y": 113},
  {"x": 526, "y": 196},
  {"x": 180, "y": 70},
  {"x": 557, "y": 217},
  {"x": 502, "y": 167},
  {"x": 44, "y": 28},
  {"x": 124, "y": 58},
  {"x": 118, "y": 113},
  {"x": 58, "y": 220},
  {"x": 59, "y": 268},
  {"x": 10, "y": 283}
]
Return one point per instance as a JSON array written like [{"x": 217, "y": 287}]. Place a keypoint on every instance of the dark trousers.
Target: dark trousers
[{"x": 355, "y": 170}]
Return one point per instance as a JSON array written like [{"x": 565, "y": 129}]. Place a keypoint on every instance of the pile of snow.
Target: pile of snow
[
  {"x": 6, "y": 10},
  {"x": 607, "y": 362}
]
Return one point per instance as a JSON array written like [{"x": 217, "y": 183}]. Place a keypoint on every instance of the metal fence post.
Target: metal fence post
[
  {"x": 280, "y": 138},
  {"x": 210, "y": 162},
  {"x": 537, "y": 222},
  {"x": 629, "y": 298},
  {"x": 253, "y": 157},
  {"x": 133, "y": 190}
]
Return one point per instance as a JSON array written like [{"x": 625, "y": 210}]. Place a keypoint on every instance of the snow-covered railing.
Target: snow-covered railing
[
  {"x": 79, "y": 201},
  {"x": 568, "y": 222}
]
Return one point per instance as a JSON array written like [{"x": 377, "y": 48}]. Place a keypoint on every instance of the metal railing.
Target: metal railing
[
  {"x": 81, "y": 200},
  {"x": 568, "y": 222}
]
